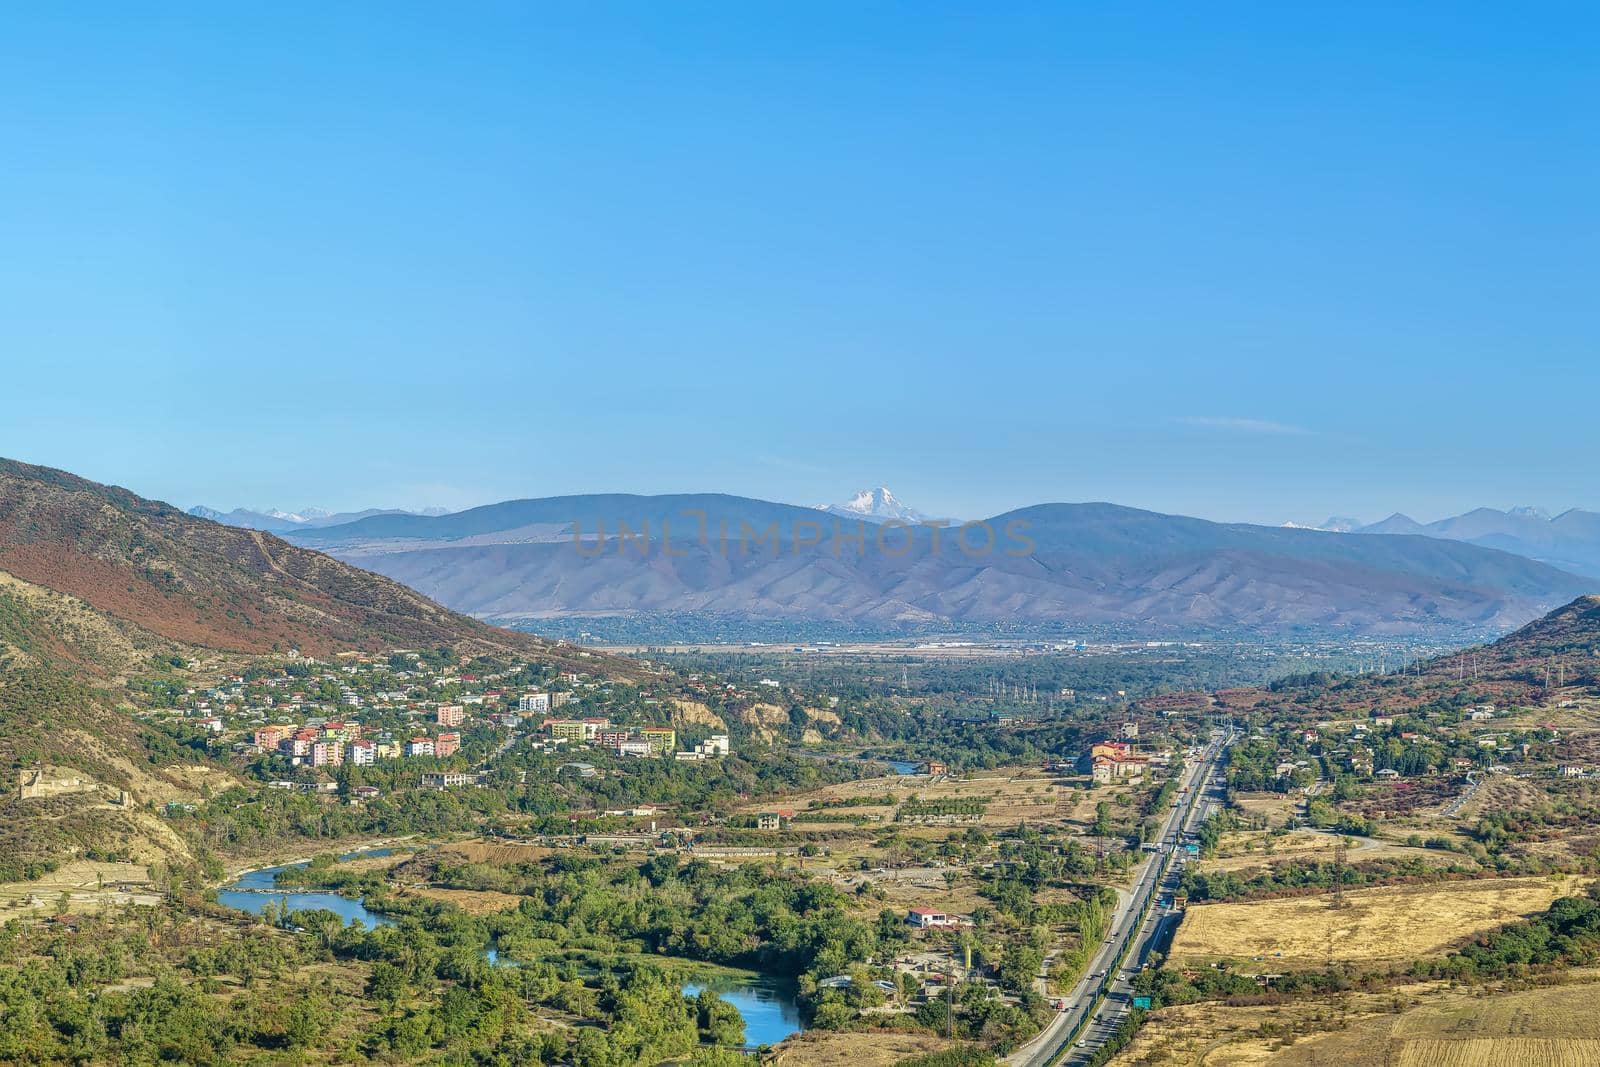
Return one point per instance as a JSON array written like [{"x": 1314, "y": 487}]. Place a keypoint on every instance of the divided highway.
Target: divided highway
[{"x": 1100, "y": 1000}]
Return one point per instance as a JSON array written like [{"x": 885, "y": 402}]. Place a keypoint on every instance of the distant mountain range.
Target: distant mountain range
[
  {"x": 1569, "y": 541},
  {"x": 274, "y": 521},
  {"x": 1052, "y": 564}
]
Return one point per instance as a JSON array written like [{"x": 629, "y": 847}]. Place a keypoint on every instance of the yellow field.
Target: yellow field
[
  {"x": 1425, "y": 1025},
  {"x": 1387, "y": 924},
  {"x": 1492, "y": 1052}
]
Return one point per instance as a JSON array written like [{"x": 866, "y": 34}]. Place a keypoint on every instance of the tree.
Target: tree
[
  {"x": 386, "y": 984},
  {"x": 718, "y": 1021}
]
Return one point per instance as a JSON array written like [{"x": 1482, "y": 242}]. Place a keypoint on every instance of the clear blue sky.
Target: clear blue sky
[{"x": 1257, "y": 261}]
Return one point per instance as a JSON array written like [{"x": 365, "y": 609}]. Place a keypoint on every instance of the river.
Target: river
[
  {"x": 254, "y": 888},
  {"x": 770, "y": 1005}
]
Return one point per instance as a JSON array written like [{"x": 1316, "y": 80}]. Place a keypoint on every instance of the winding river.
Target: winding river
[{"x": 769, "y": 1003}]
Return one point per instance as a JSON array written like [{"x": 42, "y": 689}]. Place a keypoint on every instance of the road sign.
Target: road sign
[{"x": 1142, "y": 1002}]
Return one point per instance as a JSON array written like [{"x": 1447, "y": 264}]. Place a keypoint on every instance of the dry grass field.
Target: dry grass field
[
  {"x": 79, "y": 886},
  {"x": 1276, "y": 808},
  {"x": 1394, "y": 923},
  {"x": 829, "y": 1048},
  {"x": 489, "y": 852},
  {"x": 1557, "y": 1027},
  {"x": 472, "y": 901},
  {"x": 1014, "y": 796},
  {"x": 1424, "y": 1025},
  {"x": 1250, "y": 850}
]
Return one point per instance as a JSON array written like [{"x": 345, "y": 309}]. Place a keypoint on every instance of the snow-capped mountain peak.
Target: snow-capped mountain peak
[
  {"x": 1335, "y": 524},
  {"x": 878, "y": 504}
]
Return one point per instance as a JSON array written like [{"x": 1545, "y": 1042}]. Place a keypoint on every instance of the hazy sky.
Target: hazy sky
[{"x": 1257, "y": 261}]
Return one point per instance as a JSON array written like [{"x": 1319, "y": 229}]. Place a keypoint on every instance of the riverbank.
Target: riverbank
[{"x": 269, "y": 860}]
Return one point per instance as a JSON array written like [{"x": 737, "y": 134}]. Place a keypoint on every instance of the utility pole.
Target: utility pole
[{"x": 1338, "y": 871}]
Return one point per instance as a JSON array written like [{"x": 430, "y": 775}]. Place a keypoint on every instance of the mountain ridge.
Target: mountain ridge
[
  {"x": 1094, "y": 563},
  {"x": 203, "y": 583},
  {"x": 276, "y": 521},
  {"x": 1569, "y": 541}
]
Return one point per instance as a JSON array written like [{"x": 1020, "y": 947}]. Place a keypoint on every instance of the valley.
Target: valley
[
  {"x": 955, "y": 850},
  {"x": 454, "y": 612}
]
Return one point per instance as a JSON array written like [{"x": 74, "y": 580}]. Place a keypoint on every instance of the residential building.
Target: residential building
[
  {"x": 566, "y": 729},
  {"x": 535, "y": 703},
  {"x": 929, "y": 917},
  {"x": 446, "y": 744},
  {"x": 269, "y": 736},
  {"x": 363, "y": 753},
  {"x": 450, "y": 715},
  {"x": 662, "y": 739},
  {"x": 327, "y": 753},
  {"x": 1110, "y": 749},
  {"x": 1110, "y": 768},
  {"x": 715, "y": 745},
  {"x": 447, "y": 779},
  {"x": 419, "y": 746}
]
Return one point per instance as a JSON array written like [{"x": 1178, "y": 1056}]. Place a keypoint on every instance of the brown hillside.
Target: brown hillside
[
  {"x": 1525, "y": 667},
  {"x": 1571, "y": 633},
  {"x": 201, "y": 583}
]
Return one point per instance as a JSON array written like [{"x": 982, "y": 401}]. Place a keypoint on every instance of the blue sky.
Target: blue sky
[{"x": 1253, "y": 261}]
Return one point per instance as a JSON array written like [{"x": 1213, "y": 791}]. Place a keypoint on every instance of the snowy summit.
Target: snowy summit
[{"x": 878, "y": 505}]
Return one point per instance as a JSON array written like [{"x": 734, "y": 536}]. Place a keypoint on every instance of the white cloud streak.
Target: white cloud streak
[{"x": 1238, "y": 425}]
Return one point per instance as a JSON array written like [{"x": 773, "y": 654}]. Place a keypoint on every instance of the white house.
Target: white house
[{"x": 926, "y": 917}]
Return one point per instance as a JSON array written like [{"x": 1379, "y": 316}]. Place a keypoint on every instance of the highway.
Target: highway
[{"x": 1157, "y": 876}]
